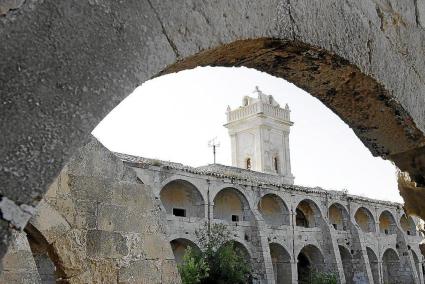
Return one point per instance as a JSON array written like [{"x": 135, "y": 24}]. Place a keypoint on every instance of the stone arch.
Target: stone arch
[
  {"x": 231, "y": 205},
  {"x": 48, "y": 264},
  {"x": 179, "y": 247},
  {"x": 308, "y": 214},
  {"x": 281, "y": 261},
  {"x": 274, "y": 210},
  {"x": 242, "y": 251},
  {"x": 387, "y": 223},
  {"x": 332, "y": 66},
  {"x": 391, "y": 268},
  {"x": 182, "y": 198},
  {"x": 365, "y": 220},
  {"x": 408, "y": 225},
  {"x": 374, "y": 264},
  {"x": 310, "y": 259},
  {"x": 339, "y": 217},
  {"x": 347, "y": 264}
]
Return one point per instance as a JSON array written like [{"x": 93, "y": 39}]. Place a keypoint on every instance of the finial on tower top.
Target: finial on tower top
[{"x": 258, "y": 91}]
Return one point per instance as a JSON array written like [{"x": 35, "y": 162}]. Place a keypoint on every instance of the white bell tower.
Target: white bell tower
[{"x": 259, "y": 133}]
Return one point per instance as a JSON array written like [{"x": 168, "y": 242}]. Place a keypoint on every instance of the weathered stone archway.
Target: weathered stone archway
[
  {"x": 274, "y": 210},
  {"x": 281, "y": 261},
  {"x": 387, "y": 224},
  {"x": 339, "y": 217},
  {"x": 391, "y": 270},
  {"x": 310, "y": 259},
  {"x": 347, "y": 264},
  {"x": 374, "y": 264},
  {"x": 231, "y": 205},
  {"x": 308, "y": 214},
  {"x": 66, "y": 64},
  {"x": 408, "y": 225},
  {"x": 181, "y": 198},
  {"x": 179, "y": 247},
  {"x": 365, "y": 220},
  {"x": 45, "y": 256}
]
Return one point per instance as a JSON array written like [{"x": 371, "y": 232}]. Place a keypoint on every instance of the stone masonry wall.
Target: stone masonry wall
[{"x": 103, "y": 224}]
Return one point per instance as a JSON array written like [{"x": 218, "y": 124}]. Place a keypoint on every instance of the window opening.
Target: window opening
[
  {"x": 275, "y": 165},
  {"x": 179, "y": 212}
]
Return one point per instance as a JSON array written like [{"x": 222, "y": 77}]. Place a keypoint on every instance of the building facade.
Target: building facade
[
  {"x": 115, "y": 218},
  {"x": 285, "y": 231}
]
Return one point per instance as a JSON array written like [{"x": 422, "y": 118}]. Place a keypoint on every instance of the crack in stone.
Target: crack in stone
[
  {"x": 418, "y": 23},
  {"x": 291, "y": 19},
  {"x": 172, "y": 44},
  {"x": 381, "y": 18},
  {"x": 369, "y": 53}
]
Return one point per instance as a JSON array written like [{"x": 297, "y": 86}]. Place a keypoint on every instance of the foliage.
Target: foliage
[
  {"x": 219, "y": 261},
  {"x": 324, "y": 278},
  {"x": 193, "y": 268},
  {"x": 212, "y": 238},
  {"x": 228, "y": 266}
]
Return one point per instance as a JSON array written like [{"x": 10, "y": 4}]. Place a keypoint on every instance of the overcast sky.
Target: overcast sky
[{"x": 173, "y": 117}]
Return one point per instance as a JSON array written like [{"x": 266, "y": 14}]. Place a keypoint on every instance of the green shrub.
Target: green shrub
[
  {"x": 193, "y": 267},
  {"x": 324, "y": 278},
  {"x": 218, "y": 262}
]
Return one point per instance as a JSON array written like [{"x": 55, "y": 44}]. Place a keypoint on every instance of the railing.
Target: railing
[{"x": 258, "y": 107}]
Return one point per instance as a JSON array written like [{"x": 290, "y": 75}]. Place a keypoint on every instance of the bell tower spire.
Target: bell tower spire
[{"x": 259, "y": 133}]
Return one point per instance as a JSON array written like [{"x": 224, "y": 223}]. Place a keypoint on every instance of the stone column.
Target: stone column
[
  {"x": 294, "y": 269},
  {"x": 288, "y": 171},
  {"x": 380, "y": 270}
]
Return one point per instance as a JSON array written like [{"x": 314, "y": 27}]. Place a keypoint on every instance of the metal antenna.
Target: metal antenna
[{"x": 214, "y": 144}]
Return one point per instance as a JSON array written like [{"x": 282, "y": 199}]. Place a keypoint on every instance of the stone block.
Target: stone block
[
  {"x": 156, "y": 246},
  {"x": 71, "y": 247},
  {"x": 90, "y": 188},
  {"x": 169, "y": 272},
  {"x": 103, "y": 271},
  {"x": 105, "y": 244},
  {"x": 49, "y": 222},
  {"x": 113, "y": 218},
  {"x": 132, "y": 194},
  {"x": 143, "y": 271}
]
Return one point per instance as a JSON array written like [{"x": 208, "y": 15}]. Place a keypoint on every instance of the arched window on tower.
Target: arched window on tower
[
  {"x": 248, "y": 163},
  {"x": 276, "y": 165}
]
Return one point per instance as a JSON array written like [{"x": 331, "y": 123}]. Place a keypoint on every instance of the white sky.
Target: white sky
[{"x": 173, "y": 117}]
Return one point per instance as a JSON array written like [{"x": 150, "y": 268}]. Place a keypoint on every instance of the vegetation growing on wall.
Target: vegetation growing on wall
[{"x": 218, "y": 261}]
